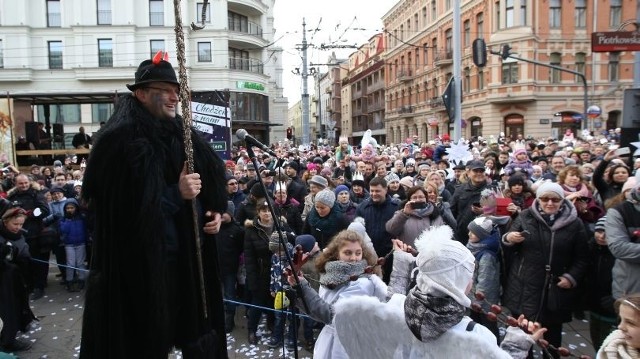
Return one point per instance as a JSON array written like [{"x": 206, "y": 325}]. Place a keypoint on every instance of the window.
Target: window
[
  {"x": 480, "y": 25},
  {"x": 498, "y": 22},
  {"x": 105, "y": 53},
  {"x": 401, "y": 32},
  {"x": 61, "y": 113},
  {"x": 433, "y": 10},
  {"x": 614, "y": 66},
  {"x": 581, "y": 14},
  {"x": 155, "y": 46},
  {"x": 448, "y": 35},
  {"x": 425, "y": 56},
  {"x": 53, "y": 13},
  {"x": 555, "y": 13},
  {"x": 467, "y": 33},
  {"x": 434, "y": 46},
  {"x": 509, "y": 72},
  {"x": 100, "y": 112},
  {"x": 424, "y": 16},
  {"x": 580, "y": 65},
  {"x": 1, "y": 56},
  {"x": 480, "y": 79},
  {"x": 615, "y": 13},
  {"x": 55, "y": 54},
  {"x": 416, "y": 24},
  {"x": 523, "y": 12},
  {"x": 467, "y": 80},
  {"x": 509, "y": 14},
  {"x": 555, "y": 76},
  {"x": 447, "y": 5},
  {"x": 238, "y": 22},
  {"x": 104, "y": 12},
  {"x": 199, "y": 14},
  {"x": 239, "y": 59},
  {"x": 156, "y": 13},
  {"x": 204, "y": 52}
]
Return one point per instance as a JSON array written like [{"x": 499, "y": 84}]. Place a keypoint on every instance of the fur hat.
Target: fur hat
[
  {"x": 391, "y": 177},
  {"x": 306, "y": 241},
  {"x": 600, "y": 224},
  {"x": 157, "y": 69},
  {"x": 326, "y": 197},
  {"x": 549, "y": 186},
  {"x": 445, "y": 266},
  {"x": 319, "y": 181},
  {"x": 481, "y": 227},
  {"x": 341, "y": 188}
]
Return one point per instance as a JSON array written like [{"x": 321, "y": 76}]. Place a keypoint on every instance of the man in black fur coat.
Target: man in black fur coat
[{"x": 143, "y": 291}]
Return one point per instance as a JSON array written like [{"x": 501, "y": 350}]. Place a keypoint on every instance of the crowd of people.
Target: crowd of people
[
  {"x": 531, "y": 212},
  {"x": 418, "y": 233}
]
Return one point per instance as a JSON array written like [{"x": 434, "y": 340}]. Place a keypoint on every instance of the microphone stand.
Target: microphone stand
[{"x": 278, "y": 227}]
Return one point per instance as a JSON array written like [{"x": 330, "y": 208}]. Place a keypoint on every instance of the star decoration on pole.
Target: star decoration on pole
[{"x": 459, "y": 152}]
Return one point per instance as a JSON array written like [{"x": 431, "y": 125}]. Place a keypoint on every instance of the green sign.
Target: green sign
[
  {"x": 218, "y": 145},
  {"x": 250, "y": 85}
]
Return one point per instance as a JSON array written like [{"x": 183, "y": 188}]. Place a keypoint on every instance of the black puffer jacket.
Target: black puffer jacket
[
  {"x": 461, "y": 201},
  {"x": 526, "y": 276}
]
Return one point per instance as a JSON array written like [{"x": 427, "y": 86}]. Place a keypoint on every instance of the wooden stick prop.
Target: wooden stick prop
[
  {"x": 495, "y": 314},
  {"x": 185, "y": 102}
]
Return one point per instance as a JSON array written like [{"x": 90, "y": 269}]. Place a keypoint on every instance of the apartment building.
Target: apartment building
[
  {"x": 507, "y": 95},
  {"x": 75, "y": 56}
]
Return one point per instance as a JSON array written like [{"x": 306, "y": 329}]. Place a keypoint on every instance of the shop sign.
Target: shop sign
[{"x": 249, "y": 85}]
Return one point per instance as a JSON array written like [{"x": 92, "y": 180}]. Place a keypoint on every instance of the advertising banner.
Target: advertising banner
[{"x": 212, "y": 118}]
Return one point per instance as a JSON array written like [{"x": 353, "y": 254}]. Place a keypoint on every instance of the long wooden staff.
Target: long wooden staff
[{"x": 185, "y": 102}]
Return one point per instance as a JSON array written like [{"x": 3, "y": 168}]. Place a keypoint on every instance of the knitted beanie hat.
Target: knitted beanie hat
[
  {"x": 326, "y": 197},
  {"x": 549, "y": 187},
  {"x": 407, "y": 181},
  {"x": 600, "y": 225},
  {"x": 391, "y": 177},
  {"x": 519, "y": 151},
  {"x": 629, "y": 184},
  {"x": 341, "y": 188},
  {"x": 319, "y": 181},
  {"x": 481, "y": 227},
  {"x": 445, "y": 266},
  {"x": 274, "y": 242},
  {"x": 306, "y": 241}
]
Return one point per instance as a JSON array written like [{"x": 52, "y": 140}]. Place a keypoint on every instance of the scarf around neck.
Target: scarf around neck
[
  {"x": 615, "y": 347},
  {"x": 429, "y": 317},
  {"x": 339, "y": 272}
]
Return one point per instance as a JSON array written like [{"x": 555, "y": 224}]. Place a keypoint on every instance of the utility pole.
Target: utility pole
[
  {"x": 305, "y": 93},
  {"x": 457, "y": 73}
]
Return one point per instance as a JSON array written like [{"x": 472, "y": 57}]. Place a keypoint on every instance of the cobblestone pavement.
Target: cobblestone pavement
[{"x": 57, "y": 335}]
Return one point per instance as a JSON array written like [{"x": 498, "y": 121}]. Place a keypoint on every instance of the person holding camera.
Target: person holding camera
[
  {"x": 414, "y": 217},
  {"x": 15, "y": 311}
]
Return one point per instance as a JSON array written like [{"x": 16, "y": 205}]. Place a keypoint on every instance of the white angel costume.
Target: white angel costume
[{"x": 369, "y": 328}]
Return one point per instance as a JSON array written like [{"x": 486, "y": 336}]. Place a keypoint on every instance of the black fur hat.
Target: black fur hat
[{"x": 157, "y": 69}]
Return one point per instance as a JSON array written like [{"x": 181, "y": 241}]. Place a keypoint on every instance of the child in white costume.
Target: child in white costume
[
  {"x": 429, "y": 322},
  {"x": 342, "y": 261}
]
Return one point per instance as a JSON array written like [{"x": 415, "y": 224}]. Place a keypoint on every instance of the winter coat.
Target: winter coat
[
  {"x": 376, "y": 216},
  {"x": 230, "y": 242},
  {"x": 73, "y": 230},
  {"x": 621, "y": 223},
  {"x": 297, "y": 190},
  {"x": 237, "y": 198},
  {"x": 324, "y": 228},
  {"x": 407, "y": 227},
  {"x": 290, "y": 210},
  {"x": 524, "y": 289},
  {"x": 465, "y": 195},
  {"x": 321, "y": 305},
  {"x": 29, "y": 200},
  {"x": 599, "y": 278},
  {"x": 143, "y": 282}
]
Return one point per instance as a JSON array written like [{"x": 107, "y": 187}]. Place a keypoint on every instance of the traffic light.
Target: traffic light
[
  {"x": 479, "y": 52},
  {"x": 506, "y": 51},
  {"x": 289, "y": 133}
]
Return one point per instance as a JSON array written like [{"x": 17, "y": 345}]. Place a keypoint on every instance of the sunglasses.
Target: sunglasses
[{"x": 552, "y": 199}]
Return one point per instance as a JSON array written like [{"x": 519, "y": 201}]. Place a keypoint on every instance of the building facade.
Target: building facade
[
  {"x": 75, "y": 56},
  {"x": 509, "y": 96}
]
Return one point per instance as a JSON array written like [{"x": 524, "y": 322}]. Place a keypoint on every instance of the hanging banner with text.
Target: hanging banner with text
[{"x": 212, "y": 118}]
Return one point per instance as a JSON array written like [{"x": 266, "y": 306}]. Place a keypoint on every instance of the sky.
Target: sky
[{"x": 338, "y": 22}]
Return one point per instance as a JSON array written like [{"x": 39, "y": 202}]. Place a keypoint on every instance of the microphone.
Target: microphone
[{"x": 242, "y": 134}]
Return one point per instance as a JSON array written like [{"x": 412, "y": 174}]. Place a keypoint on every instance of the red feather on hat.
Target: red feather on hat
[
  {"x": 157, "y": 58},
  {"x": 166, "y": 57}
]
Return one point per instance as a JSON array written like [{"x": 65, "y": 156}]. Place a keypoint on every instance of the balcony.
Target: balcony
[
  {"x": 404, "y": 75},
  {"x": 444, "y": 58},
  {"x": 405, "y": 110},
  {"x": 242, "y": 64},
  {"x": 248, "y": 7},
  {"x": 436, "y": 102},
  {"x": 378, "y": 85},
  {"x": 376, "y": 106}
]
